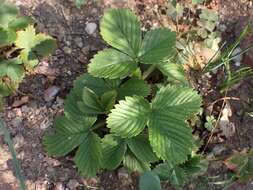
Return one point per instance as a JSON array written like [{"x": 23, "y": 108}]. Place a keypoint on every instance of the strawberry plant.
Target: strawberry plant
[
  {"x": 124, "y": 111},
  {"x": 20, "y": 47}
]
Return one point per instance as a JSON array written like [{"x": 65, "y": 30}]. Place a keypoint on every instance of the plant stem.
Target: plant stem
[{"x": 148, "y": 72}]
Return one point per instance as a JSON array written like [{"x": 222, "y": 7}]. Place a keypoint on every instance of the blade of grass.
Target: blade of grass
[{"x": 16, "y": 164}]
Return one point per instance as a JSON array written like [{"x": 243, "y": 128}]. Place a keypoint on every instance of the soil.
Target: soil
[{"x": 31, "y": 117}]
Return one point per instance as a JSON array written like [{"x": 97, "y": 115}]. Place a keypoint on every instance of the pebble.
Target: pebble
[
  {"x": 86, "y": 49},
  {"x": 91, "y": 28},
  {"x": 18, "y": 141},
  {"x": 218, "y": 150},
  {"x": 122, "y": 173},
  {"x": 73, "y": 184},
  {"x": 67, "y": 50},
  {"x": 25, "y": 109},
  {"x": 79, "y": 42},
  {"x": 51, "y": 93}
]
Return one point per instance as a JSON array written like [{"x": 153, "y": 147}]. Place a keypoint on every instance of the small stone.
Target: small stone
[
  {"x": 91, "y": 28},
  {"x": 73, "y": 184},
  {"x": 218, "y": 150},
  {"x": 18, "y": 141},
  {"x": 34, "y": 145},
  {"x": 86, "y": 49},
  {"x": 51, "y": 93},
  {"x": 122, "y": 173},
  {"x": 67, "y": 50},
  {"x": 79, "y": 42},
  {"x": 25, "y": 109}
]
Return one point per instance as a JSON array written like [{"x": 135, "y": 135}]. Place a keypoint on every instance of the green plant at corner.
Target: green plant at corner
[
  {"x": 113, "y": 117},
  {"x": 20, "y": 47}
]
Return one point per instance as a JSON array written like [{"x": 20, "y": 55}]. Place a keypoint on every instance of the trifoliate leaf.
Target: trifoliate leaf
[
  {"x": 111, "y": 64},
  {"x": 68, "y": 135},
  {"x": 169, "y": 134},
  {"x": 132, "y": 163},
  {"x": 121, "y": 29},
  {"x": 149, "y": 181},
  {"x": 33, "y": 45},
  {"x": 140, "y": 146},
  {"x": 129, "y": 117},
  {"x": 158, "y": 44},
  {"x": 8, "y": 13},
  {"x": 134, "y": 87},
  {"x": 89, "y": 155},
  {"x": 114, "y": 149}
]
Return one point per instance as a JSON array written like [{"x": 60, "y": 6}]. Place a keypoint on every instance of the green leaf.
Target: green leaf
[
  {"x": 89, "y": 155},
  {"x": 140, "y": 146},
  {"x": 158, "y": 44},
  {"x": 68, "y": 135},
  {"x": 134, "y": 87},
  {"x": 11, "y": 69},
  {"x": 195, "y": 166},
  {"x": 129, "y": 117},
  {"x": 25, "y": 38},
  {"x": 174, "y": 174},
  {"x": 149, "y": 181},
  {"x": 121, "y": 29},
  {"x": 7, "y": 37},
  {"x": 29, "y": 59},
  {"x": 8, "y": 12},
  {"x": 43, "y": 45},
  {"x": 169, "y": 134},
  {"x": 114, "y": 149},
  {"x": 91, "y": 103},
  {"x": 72, "y": 102},
  {"x": 108, "y": 100},
  {"x": 80, "y": 3},
  {"x": 197, "y": 1},
  {"x": 242, "y": 164},
  {"x": 20, "y": 23},
  {"x": 98, "y": 85},
  {"x": 132, "y": 163},
  {"x": 33, "y": 45},
  {"x": 111, "y": 64},
  {"x": 174, "y": 72}
]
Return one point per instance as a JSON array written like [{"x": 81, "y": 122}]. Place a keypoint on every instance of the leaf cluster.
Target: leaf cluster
[
  {"x": 113, "y": 117},
  {"x": 20, "y": 47}
]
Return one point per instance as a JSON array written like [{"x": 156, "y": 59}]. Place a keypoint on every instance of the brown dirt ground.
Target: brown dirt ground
[{"x": 28, "y": 122}]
